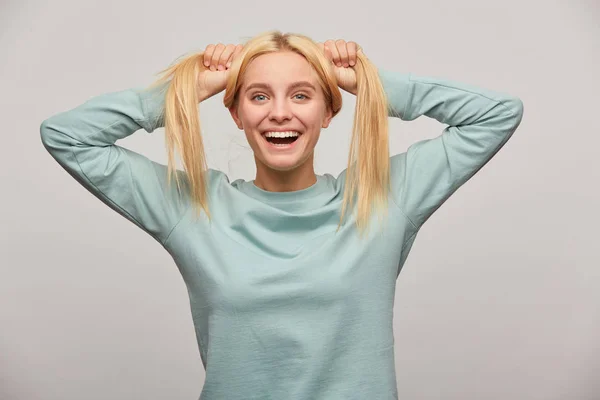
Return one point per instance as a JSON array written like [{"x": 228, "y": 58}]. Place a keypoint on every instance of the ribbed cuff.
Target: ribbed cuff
[
  {"x": 153, "y": 105},
  {"x": 397, "y": 88}
]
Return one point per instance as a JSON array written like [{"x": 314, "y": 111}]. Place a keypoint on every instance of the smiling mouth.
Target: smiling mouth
[
  {"x": 280, "y": 140},
  {"x": 277, "y": 140}
]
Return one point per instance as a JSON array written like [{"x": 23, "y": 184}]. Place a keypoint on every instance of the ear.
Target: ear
[
  {"x": 328, "y": 117},
  {"x": 234, "y": 115}
]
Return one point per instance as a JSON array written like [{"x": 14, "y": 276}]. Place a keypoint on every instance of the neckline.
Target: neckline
[{"x": 293, "y": 196}]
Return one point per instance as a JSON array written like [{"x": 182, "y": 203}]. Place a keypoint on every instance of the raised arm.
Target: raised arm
[
  {"x": 480, "y": 122},
  {"x": 82, "y": 141}
]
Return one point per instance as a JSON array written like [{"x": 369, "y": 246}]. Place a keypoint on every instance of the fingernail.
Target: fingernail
[
  {"x": 220, "y": 67},
  {"x": 229, "y": 64},
  {"x": 352, "y": 63},
  {"x": 346, "y": 65}
]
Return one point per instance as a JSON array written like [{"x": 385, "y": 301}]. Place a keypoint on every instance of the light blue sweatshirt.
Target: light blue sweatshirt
[{"x": 283, "y": 306}]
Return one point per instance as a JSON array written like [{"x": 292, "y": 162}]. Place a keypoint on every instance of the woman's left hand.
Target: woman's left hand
[{"x": 343, "y": 56}]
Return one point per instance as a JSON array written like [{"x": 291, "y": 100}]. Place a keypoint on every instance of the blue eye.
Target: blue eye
[{"x": 262, "y": 95}]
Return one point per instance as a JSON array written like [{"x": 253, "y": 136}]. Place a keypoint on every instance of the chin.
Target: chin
[
  {"x": 285, "y": 159},
  {"x": 284, "y": 162},
  {"x": 283, "y": 165}
]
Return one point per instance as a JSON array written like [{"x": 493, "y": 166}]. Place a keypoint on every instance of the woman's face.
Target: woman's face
[{"x": 280, "y": 92}]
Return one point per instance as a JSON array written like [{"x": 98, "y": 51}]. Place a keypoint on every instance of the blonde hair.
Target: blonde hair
[{"x": 367, "y": 175}]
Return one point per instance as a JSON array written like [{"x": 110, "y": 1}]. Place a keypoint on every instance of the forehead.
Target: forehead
[{"x": 279, "y": 68}]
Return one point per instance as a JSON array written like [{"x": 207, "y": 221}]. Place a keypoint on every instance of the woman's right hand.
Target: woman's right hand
[{"x": 217, "y": 60}]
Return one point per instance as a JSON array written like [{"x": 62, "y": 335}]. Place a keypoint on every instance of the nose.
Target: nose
[{"x": 280, "y": 110}]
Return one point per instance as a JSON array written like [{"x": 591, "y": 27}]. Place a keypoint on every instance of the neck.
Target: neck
[{"x": 295, "y": 179}]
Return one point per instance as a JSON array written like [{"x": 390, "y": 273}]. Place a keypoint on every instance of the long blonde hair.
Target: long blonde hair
[{"x": 367, "y": 175}]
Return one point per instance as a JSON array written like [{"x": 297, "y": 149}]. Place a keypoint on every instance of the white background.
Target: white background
[{"x": 499, "y": 298}]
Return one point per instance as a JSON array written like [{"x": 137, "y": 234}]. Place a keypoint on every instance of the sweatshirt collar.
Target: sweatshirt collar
[{"x": 286, "y": 197}]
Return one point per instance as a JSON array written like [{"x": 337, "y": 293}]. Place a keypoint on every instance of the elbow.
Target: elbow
[
  {"x": 52, "y": 138},
  {"x": 46, "y": 135},
  {"x": 515, "y": 105}
]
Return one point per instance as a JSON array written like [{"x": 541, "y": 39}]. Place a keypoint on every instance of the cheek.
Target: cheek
[
  {"x": 311, "y": 117},
  {"x": 249, "y": 114}
]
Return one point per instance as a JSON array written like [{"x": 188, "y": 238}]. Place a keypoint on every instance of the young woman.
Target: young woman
[{"x": 290, "y": 297}]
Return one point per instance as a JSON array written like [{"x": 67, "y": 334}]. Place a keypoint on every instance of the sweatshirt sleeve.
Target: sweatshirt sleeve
[
  {"x": 82, "y": 141},
  {"x": 480, "y": 122}
]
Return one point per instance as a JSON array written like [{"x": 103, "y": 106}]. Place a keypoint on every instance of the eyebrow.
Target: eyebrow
[{"x": 292, "y": 86}]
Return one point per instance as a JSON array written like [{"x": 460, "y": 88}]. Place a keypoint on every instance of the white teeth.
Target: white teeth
[{"x": 282, "y": 134}]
